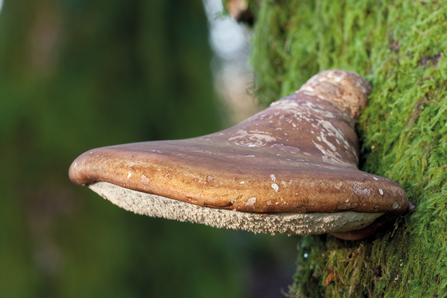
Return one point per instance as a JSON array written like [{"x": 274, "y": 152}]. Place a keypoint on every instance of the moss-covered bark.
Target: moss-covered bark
[{"x": 400, "y": 47}]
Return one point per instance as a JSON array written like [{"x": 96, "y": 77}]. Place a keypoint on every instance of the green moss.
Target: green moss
[{"x": 400, "y": 47}]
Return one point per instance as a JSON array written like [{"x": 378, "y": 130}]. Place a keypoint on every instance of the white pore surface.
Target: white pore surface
[{"x": 289, "y": 223}]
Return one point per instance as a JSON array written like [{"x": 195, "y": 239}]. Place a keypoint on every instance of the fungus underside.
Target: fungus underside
[{"x": 400, "y": 47}]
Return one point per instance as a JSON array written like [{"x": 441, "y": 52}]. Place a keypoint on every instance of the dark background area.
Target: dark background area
[{"x": 78, "y": 74}]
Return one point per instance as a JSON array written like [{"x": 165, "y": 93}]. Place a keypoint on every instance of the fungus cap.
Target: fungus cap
[{"x": 291, "y": 168}]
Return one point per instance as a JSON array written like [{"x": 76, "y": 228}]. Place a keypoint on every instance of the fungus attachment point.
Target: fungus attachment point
[{"x": 291, "y": 168}]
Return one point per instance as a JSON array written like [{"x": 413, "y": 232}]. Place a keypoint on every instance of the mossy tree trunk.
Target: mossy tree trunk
[{"x": 400, "y": 47}]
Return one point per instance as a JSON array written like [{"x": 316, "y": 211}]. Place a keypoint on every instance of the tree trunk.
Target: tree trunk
[{"x": 400, "y": 47}]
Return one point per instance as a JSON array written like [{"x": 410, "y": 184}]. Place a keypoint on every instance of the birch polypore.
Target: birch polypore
[{"x": 291, "y": 168}]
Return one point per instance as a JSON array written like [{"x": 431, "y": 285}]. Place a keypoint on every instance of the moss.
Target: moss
[{"x": 400, "y": 47}]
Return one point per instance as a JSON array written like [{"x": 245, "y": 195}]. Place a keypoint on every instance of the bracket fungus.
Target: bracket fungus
[{"x": 291, "y": 168}]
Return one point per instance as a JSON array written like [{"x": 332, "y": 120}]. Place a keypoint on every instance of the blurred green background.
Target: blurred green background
[{"x": 78, "y": 74}]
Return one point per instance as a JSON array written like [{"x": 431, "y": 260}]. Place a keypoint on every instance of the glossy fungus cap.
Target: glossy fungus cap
[{"x": 291, "y": 168}]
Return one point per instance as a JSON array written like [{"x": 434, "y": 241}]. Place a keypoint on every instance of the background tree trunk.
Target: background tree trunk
[{"x": 80, "y": 74}]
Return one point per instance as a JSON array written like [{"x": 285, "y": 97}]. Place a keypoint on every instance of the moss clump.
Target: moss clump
[{"x": 400, "y": 47}]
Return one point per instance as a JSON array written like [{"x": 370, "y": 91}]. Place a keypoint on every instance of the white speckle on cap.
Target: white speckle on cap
[
  {"x": 347, "y": 200},
  {"x": 250, "y": 156},
  {"x": 242, "y": 182},
  {"x": 251, "y": 139},
  {"x": 144, "y": 179},
  {"x": 381, "y": 191},
  {"x": 128, "y": 176},
  {"x": 307, "y": 88},
  {"x": 273, "y": 177},
  {"x": 156, "y": 151},
  {"x": 337, "y": 79},
  {"x": 395, "y": 205},
  {"x": 275, "y": 187},
  {"x": 251, "y": 201},
  {"x": 375, "y": 178},
  {"x": 360, "y": 192},
  {"x": 269, "y": 202}
]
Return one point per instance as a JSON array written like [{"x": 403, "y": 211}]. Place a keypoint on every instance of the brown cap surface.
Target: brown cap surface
[{"x": 298, "y": 156}]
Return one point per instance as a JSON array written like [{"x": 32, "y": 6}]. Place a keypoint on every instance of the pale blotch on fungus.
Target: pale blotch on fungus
[
  {"x": 250, "y": 201},
  {"x": 291, "y": 168},
  {"x": 144, "y": 180}
]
